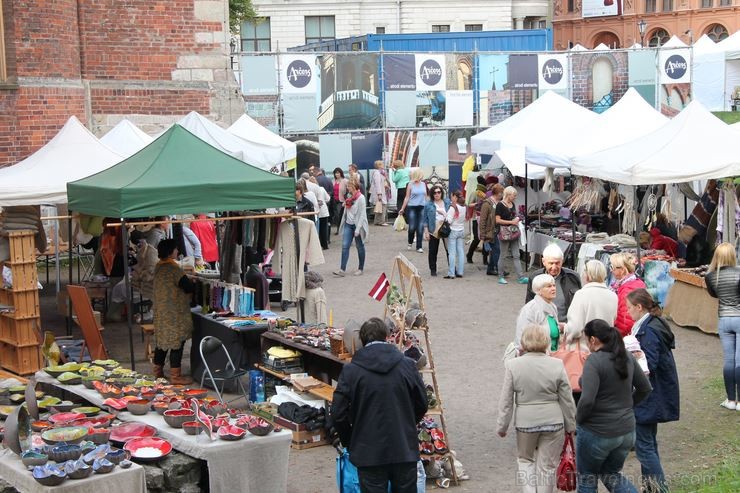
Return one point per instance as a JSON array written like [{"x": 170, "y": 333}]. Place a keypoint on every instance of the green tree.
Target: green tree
[{"x": 240, "y": 11}]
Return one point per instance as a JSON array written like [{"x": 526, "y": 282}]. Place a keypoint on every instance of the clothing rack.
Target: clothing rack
[{"x": 234, "y": 298}]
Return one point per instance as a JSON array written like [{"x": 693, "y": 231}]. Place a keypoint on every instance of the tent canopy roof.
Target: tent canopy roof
[
  {"x": 267, "y": 149},
  {"x": 42, "y": 177},
  {"x": 126, "y": 138},
  {"x": 179, "y": 173},
  {"x": 674, "y": 42},
  {"x": 694, "y": 145}
]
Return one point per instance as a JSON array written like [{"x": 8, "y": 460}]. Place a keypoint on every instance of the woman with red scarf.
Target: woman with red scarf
[{"x": 353, "y": 226}]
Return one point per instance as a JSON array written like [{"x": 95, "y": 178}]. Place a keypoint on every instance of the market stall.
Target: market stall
[{"x": 689, "y": 304}]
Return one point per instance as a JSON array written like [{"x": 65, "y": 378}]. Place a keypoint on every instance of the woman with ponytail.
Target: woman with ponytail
[
  {"x": 611, "y": 385},
  {"x": 456, "y": 240},
  {"x": 662, "y": 405}
]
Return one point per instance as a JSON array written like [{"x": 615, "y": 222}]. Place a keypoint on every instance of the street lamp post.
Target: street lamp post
[{"x": 642, "y": 27}]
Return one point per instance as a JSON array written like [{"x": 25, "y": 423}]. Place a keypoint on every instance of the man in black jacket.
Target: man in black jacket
[
  {"x": 378, "y": 401},
  {"x": 566, "y": 280}
]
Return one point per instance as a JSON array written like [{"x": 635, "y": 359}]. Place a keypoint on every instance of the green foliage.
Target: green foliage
[
  {"x": 723, "y": 478},
  {"x": 240, "y": 11},
  {"x": 728, "y": 116}
]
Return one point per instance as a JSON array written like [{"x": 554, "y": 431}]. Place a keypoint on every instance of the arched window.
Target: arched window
[
  {"x": 659, "y": 37},
  {"x": 717, "y": 32},
  {"x": 464, "y": 76},
  {"x": 602, "y": 76}
]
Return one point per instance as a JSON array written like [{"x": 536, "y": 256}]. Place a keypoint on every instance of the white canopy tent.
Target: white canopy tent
[
  {"x": 601, "y": 47},
  {"x": 631, "y": 117},
  {"x": 219, "y": 138},
  {"x": 578, "y": 47},
  {"x": 695, "y": 145},
  {"x": 708, "y": 74},
  {"x": 74, "y": 153},
  {"x": 126, "y": 138},
  {"x": 267, "y": 148},
  {"x": 674, "y": 42}
]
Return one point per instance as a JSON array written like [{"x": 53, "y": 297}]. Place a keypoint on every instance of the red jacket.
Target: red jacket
[
  {"x": 206, "y": 233},
  {"x": 624, "y": 322},
  {"x": 662, "y": 242}
]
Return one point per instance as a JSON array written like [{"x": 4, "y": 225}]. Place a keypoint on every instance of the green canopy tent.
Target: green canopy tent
[{"x": 178, "y": 173}]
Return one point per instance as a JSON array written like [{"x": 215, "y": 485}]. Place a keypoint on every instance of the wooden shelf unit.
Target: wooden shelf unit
[{"x": 20, "y": 330}]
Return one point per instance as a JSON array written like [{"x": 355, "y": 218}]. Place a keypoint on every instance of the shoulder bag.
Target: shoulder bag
[
  {"x": 444, "y": 230},
  {"x": 508, "y": 232},
  {"x": 566, "y": 471},
  {"x": 573, "y": 360}
]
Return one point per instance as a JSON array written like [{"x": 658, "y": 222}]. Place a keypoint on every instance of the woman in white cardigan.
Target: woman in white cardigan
[{"x": 593, "y": 301}]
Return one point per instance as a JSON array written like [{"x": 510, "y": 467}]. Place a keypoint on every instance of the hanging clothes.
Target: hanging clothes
[
  {"x": 256, "y": 279},
  {"x": 291, "y": 263}
]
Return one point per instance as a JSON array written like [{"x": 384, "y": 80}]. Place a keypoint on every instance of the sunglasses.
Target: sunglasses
[{"x": 437, "y": 192}]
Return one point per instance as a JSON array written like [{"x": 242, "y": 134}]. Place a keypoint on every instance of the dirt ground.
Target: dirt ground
[{"x": 472, "y": 320}]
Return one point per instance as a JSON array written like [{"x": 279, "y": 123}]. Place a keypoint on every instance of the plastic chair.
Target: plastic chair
[{"x": 208, "y": 346}]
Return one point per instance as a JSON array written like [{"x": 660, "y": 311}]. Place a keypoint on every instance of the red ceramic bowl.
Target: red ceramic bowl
[
  {"x": 176, "y": 417},
  {"x": 117, "y": 404},
  {"x": 148, "y": 449},
  {"x": 196, "y": 393},
  {"x": 127, "y": 431},
  {"x": 60, "y": 418},
  {"x": 192, "y": 427},
  {"x": 230, "y": 432},
  {"x": 101, "y": 420}
]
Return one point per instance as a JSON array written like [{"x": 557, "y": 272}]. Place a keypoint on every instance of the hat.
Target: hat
[{"x": 491, "y": 180}]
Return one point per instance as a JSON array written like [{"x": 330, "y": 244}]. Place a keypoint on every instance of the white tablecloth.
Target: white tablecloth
[
  {"x": 251, "y": 465},
  {"x": 131, "y": 480}
]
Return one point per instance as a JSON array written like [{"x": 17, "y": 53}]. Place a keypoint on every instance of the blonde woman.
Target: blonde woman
[
  {"x": 594, "y": 300},
  {"x": 625, "y": 281},
  {"x": 416, "y": 193},
  {"x": 379, "y": 193},
  {"x": 506, "y": 216},
  {"x": 537, "y": 393},
  {"x": 723, "y": 282}
]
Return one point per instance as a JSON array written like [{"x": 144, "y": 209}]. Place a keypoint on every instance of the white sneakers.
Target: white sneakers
[
  {"x": 341, "y": 273},
  {"x": 357, "y": 273},
  {"x": 732, "y": 406}
]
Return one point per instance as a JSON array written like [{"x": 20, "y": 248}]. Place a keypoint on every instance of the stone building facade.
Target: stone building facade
[
  {"x": 151, "y": 61},
  {"x": 688, "y": 19}
]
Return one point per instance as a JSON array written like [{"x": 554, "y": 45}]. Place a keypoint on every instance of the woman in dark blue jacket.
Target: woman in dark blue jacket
[
  {"x": 435, "y": 211},
  {"x": 662, "y": 405}
]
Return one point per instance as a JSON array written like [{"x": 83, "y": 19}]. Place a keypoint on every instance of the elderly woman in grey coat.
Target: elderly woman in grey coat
[{"x": 541, "y": 311}]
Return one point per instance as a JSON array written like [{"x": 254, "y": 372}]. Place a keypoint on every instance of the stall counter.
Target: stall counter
[{"x": 689, "y": 303}]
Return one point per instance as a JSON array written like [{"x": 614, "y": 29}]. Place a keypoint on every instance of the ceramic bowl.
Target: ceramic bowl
[
  {"x": 150, "y": 395},
  {"x": 160, "y": 407},
  {"x": 63, "y": 406},
  {"x": 87, "y": 410},
  {"x": 230, "y": 432},
  {"x": 6, "y": 411},
  {"x": 138, "y": 407},
  {"x": 77, "y": 469},
  {"x": 176, "y": 417},
  {"x": 214, "y": 408},
  {"x": 260, "y": 430},
  {"x": 56, "y": 371},
  {"x": 69, "y": 378},
  {"x": 98, "y": 452},
  {"x": 196, "y": 393},
  {"x": 62, "y": 418},
  {"x": 17, "y": 431},
  {"x": 192, "y": 427},
  {"x": 108, "y": 364},
  {"x": 62, "y": 453},
  {"x": 117, "y": 455},
  {"x": 217, "y": 423},
  {"x": 127, "y": 431},
  {"x": 99, "y": 436},
  {"x": 148, "y": 449},
  {"x": 49, "y": 475},
  {"x": 125, "y": 464},
  {"x": 34, "y": 458},
  {"x": 69, "y": 435},
  {"x": 89, "y": 380},
  {"x": 39, "y": 426},
  {"x": 102, "y": 466}
]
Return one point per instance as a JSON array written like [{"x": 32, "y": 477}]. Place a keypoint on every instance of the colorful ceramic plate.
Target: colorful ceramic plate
[
  {"x": 148, "y": 448},
  {"x": 55, "y": 371},
  {"x": 6, "y": 410},
  {"x": 100, "y": 420},
  {"x": 230, "y": 432},
  {"x": 65, "y": 417},
  {"x": 48, "y": 401},
  {"x": 87, "y": 411},
  {"x": 69, "y": 378},
  {"x": 127, "y": 431},
  {"x": 71, "y": 434},
  {"x": 117, "y": 404}
]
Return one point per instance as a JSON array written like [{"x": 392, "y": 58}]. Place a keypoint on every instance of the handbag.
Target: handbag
[
  {"x": 378, "y": 209},
  {"x": 508, "y": 232},
  {"x": 566, "y": 472},
  {"x": 573, "y": 360},
  {"x": 444, "y": 230}
]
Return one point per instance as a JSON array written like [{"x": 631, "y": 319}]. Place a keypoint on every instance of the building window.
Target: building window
[
  {"x": 667, "y": 5},
  {"x": 707, "y": 4},
  {"x": 658, "y": 38},
  {"x": 542, "y": 24},
  {"x": 725, "y": 3},
  {"x": 571, "y": 5},
  {"x": 717, "y": 32},
  {"x": 319, "y": 28},
  {"x": 473, "y": 27},
  {"x": 650, "y": 6},
  {"x": 380, "y": 30},
  {"x": 440, "y": 28},
  {"x": 255, "y": 35}
]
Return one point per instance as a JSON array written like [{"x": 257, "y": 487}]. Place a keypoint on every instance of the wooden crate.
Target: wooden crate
[
  {"x": 20, "y": 332},
  {"x": 22, "y": 246},
  {"x": 25, "y": 302},
  {"x": 21, "y": 360},
  {"x": 25, "y": 275},
  {"x": 687, "y": 277}
]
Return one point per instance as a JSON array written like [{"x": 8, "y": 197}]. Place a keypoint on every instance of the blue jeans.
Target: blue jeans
[
  {"x": 415, "y": 220},
  {"x": 602, "y": 458},
  {"x": 456, "y": 252},
  {"x": 494, "y": 252},
  {"x": 646, "y": 449},
  {"x": 729, "y": 336},
  {"x": 347, "y": 235}
]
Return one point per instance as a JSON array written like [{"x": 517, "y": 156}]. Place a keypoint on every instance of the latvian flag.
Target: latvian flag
[{"x": 380, "y": 288}]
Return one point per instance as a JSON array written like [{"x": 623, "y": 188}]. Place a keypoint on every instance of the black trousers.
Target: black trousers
[
  {"x": 402, "y": 478},
  {"x": 434, "y": 251},
  {"x": 474, "y": 243},
  {"x": 400, "y": 197},
  {"x": 324, "y": 232},
  {"x": 175, "y": 356}
]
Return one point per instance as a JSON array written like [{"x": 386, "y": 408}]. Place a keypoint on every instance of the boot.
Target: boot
[
  {"x": 177, "y": 378},
  {"x": 158, "y": 371}
]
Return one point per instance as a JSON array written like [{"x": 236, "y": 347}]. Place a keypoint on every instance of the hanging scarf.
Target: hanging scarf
[{"x": 351, "y": 200}]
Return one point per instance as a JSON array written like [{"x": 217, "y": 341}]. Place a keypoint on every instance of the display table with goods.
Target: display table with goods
[
  {"x": 538, "y": 239},
  {"x": 688, "y": 302},
  {"x": 241, "y": 451},
  {"x": 314, "y": 345}
]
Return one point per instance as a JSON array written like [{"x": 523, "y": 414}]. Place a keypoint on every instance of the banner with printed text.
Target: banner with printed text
[
  {"x": 553, "y": 71},
  {"x": 298, "y": 74}
]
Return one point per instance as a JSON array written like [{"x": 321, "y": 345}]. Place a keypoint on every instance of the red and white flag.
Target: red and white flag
[{"x": 380, "y": 288}]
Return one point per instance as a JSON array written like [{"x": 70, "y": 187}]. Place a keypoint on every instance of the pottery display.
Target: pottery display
[
  {"x": 70, "y": 435},
  {"x": 192, "y": 427},
  {"x": 77, "y": 469},
  {"x": 64, "y": 452},
  {"x": 138, "y": 406},
  {"x": 49, "y": 475},
  {"x": 69, "y": 378},
  {"x": 87, "y": 410},
  {"x": 127, "y": 431},
  {"x": 99, "y": 436},
  {"x": 102, "y": 466},
  {"x": 34, "y": 458},
  {"x": 61, "y": 418},
  {"x": 148, "y": 449},
  {"x": 230, "y": 432},
  {"x": 176, "y": 417},
  {"x": 117, "y": 455}
]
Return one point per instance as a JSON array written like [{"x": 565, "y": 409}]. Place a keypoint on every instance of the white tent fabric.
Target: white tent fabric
[
  {"x": 602, "y": 47},
  {"x": 695, "y": 145},
  {"x": 218, "y": 137},
  {"x": 731, "y": 46},
  {"x": 512, "y": 158},
  {"x": 708, "y": 74},
  {"x": 674, "y": 42},
  {"x": 631, "y": 117},
  {"x": 267, "y": 148},
  {"x": 704, "y": 45},
  {"x": 126, "y": 138},
  {"x": 578, "y": 47},
  {"x": 74, "y": 153},
  {"x": 549, "y": 114},
  {"x": 635, "y": 46}
]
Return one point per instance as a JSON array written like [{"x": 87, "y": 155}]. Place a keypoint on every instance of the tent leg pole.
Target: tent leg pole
[
  {"x": 69, "y": 281},
  {"x": 526, "y": 210},
  {"x": 129, "y": 315},
  {"x": 56, "y": 255},
  {"x": 637, "y": 228},
  {"x": 573, "y": 224}
]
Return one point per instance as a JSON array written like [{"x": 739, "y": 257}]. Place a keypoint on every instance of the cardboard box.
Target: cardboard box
[{"x": 309, "y": 439}]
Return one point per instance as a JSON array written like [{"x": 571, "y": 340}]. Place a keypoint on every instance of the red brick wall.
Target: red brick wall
[
  {"x": 149, "y": 101},
  {"x": 138, "y": 39}
]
